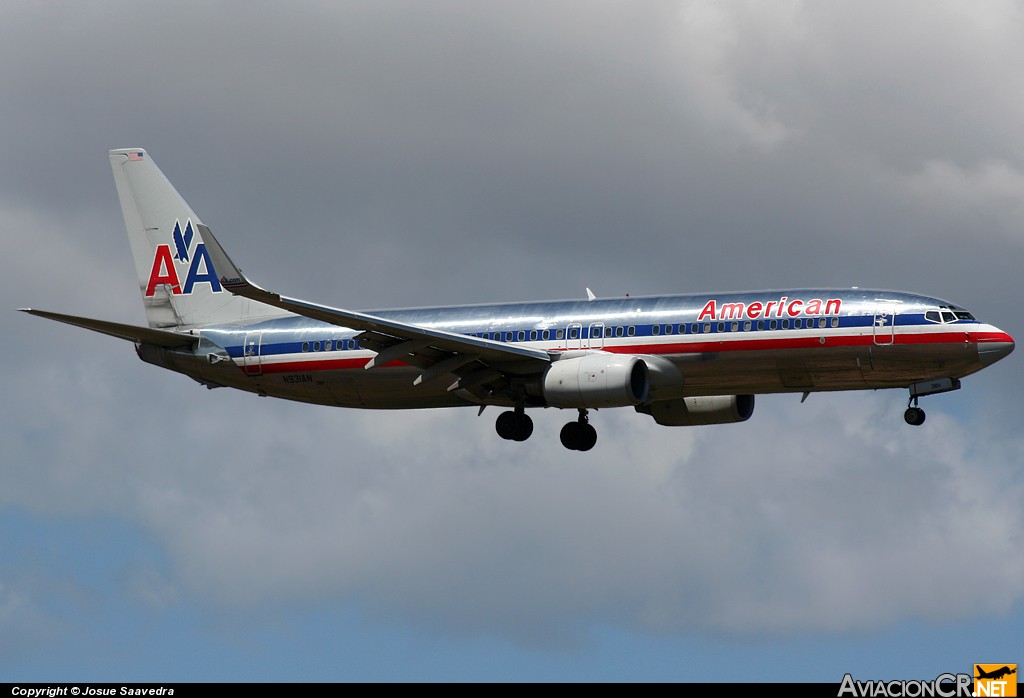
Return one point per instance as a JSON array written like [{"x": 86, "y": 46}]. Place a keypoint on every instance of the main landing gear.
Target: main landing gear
[
  {"x": 516, "y": 425},
  {"x": 579, "y": 435}
]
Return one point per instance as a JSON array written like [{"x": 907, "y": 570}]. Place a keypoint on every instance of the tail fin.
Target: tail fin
[{"x": 176, "y": 277}]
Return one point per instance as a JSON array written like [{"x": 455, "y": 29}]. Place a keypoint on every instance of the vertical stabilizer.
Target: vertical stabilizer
[{"x": 176, "y": 277}]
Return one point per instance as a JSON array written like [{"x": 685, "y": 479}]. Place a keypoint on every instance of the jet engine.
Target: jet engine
[
  {"x": 704, "y": 409},
  {"x": 596, "y": 380}
]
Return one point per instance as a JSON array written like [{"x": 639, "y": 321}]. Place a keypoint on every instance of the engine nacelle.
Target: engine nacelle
[
  {"x": 596, "y": 380},
  {"x": 704, "y": 409}
]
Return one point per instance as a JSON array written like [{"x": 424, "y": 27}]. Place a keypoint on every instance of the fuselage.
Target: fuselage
[{"x": 801, "y": 340}]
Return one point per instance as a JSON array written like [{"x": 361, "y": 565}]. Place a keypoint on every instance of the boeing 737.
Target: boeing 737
[{"x": 683, "y": 360}]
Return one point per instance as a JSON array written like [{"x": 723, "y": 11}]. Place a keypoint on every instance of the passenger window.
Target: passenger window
[
  {"x": 533, "y": 335},
  {"x": 785, "y": 324},
  {"x": 560, "y": 334},
  {"x": 747, "y": 326},
  {"x": 656, "y": 330},
  {"x": 631, "y": 330},
  {"x": 327, "y": 345},
  {"x": 835, "y": 322},
  {"x": 735, "y": 327},
  {"x": 707, "y": 327},
  {"x": 305, "y": 346},
  {"x": 607, "y": 331},
  {"x": 521, "y": 335},
  {"x": 821, "y": 322},
  {"x": 618, "y": 331},
  {"x": 574, "y": 333},
  {"x": 760, "y": 325},
  {"x": 798, "y": 323},
  {"x": 721, "y": 327},
  {"x": 773, "y": 324},
  {"x": 545, "y": 335}
]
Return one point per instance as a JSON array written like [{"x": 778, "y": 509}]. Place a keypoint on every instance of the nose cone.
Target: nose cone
[{"x": 993, "y": 346}]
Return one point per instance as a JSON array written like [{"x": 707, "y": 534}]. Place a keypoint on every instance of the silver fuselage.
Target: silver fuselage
[{"x": 801, "y": 340}]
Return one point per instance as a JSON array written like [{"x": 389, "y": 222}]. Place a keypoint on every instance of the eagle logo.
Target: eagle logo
[{"x": 182, "y": 242}]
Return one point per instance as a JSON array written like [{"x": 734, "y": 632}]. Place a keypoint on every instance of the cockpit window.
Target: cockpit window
[{"x": 947, "y": 314}]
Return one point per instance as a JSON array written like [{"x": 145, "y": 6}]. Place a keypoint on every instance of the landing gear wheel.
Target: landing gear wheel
[
  {"x": 514, "y": 426},
  {"x": 506, "y": 425},
  {"x": 578, "y": 435},
  {"x": 914, "y": 416},
  {"x": 524, "y": 428},
  {"x": 588, "y": 437},
  {"x": 570, "y": 435}
]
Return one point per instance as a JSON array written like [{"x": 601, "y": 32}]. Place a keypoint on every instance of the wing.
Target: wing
[{"x": 482, "y": 366}]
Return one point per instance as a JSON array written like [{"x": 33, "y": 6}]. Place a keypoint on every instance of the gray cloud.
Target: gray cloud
[{"x": 389, "y": 154}]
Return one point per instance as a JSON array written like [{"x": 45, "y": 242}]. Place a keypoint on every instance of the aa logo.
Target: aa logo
[
  {"x": 195, "y": 264},
  {"x": 995, "y": 679}
]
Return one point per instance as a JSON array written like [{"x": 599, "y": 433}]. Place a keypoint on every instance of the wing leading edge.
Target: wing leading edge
[{"x": 478, "y": 363}]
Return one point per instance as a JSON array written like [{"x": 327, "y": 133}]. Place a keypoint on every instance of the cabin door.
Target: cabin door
[
  {"x": 251, "y": 353},
  {"x": 885, "y": 324}
]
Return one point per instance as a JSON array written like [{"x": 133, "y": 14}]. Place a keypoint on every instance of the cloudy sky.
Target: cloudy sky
[{"x": 376, "y": 154}]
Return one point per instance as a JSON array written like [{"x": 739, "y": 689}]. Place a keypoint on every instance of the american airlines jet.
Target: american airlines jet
[{"x": 682, "y": 360}]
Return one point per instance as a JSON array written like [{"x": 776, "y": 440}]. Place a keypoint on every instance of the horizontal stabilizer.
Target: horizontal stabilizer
[{"x": 132, "y": 333}]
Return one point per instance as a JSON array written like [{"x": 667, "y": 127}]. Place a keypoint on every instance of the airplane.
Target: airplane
[
  {"x": 996, "y": 674},
  {"x": 683, "y": 360}
]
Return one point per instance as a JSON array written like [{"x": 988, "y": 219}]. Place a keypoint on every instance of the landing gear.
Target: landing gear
[
  {"x": 914, "y": 416},
  {"x": 514, "y": 425},
  {"x": 579, "y": 435}
]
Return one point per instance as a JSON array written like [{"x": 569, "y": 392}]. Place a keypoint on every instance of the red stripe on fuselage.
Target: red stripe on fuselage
[{"x": 696, "y": 347}]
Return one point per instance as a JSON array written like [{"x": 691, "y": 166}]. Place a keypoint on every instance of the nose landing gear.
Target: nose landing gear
[{"x": 914, "y": 416}]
